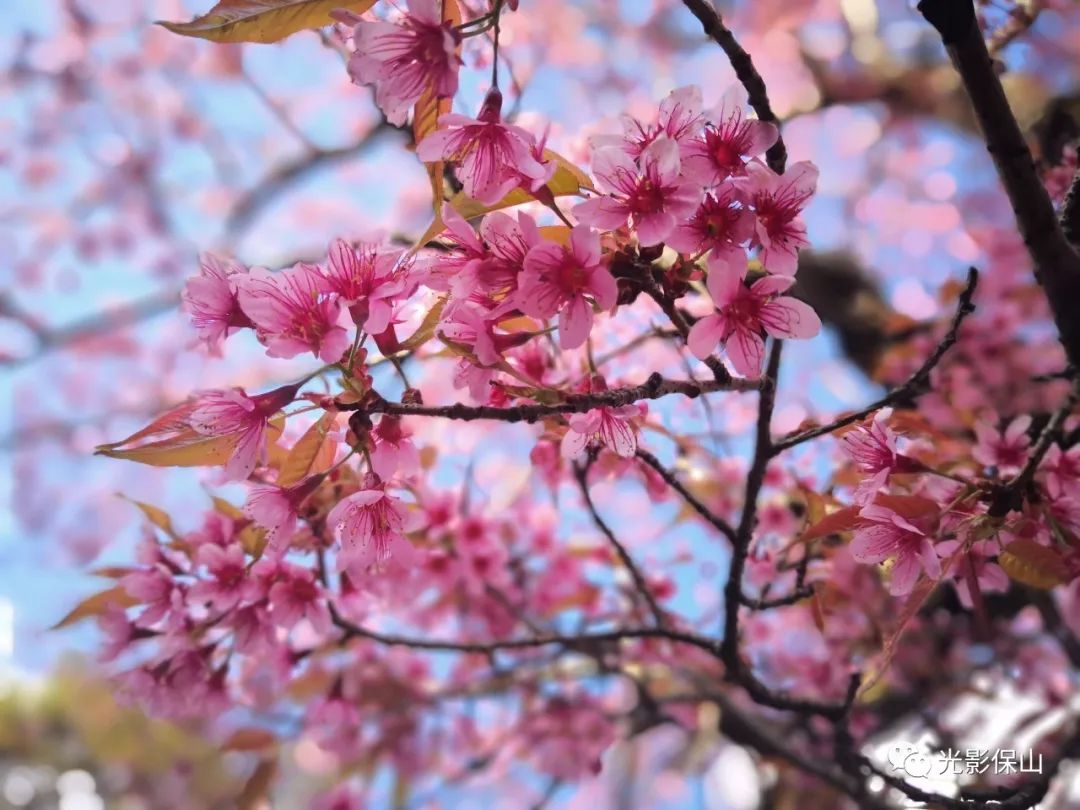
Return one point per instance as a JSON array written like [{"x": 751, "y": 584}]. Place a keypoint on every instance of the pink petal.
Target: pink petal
[
  {"x": 789, "y": 318},
  {"x": 746, "y": 350},
  {"x": 705, "y": 335}
]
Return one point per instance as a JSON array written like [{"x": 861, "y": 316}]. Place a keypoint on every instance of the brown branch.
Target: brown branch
[
  {"x": 655, "y": 387},
  {"x": 579, "y": 641},
  {"x": 745, "y": 72},
  {"x": 672, "y": 481},
  {"x": 917, "y": 384},
  {"x": 641, "y": 585},
  {"x": 1010, "y": 495},
  {"x": 1070, "y": 213},
  {"x": 1057, "y": 264}
]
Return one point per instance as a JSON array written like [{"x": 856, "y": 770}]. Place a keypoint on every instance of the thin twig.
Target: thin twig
[
  {"x": 918, "y": 383},
  {"x": 745, "y": 72}
]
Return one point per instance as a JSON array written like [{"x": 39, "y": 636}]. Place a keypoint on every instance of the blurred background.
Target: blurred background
[{"x": 126, "y": 150}]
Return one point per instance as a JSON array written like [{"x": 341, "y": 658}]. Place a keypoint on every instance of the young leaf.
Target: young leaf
[
  {"x": 426, "y": 330},
  {"x": 301, "y": 459},
  {"x": 96, "y": 605},
  {"x": 262, "y": 20},
  {"x": 185, "y": 449},
  {"x": 1033, "y": 564}
]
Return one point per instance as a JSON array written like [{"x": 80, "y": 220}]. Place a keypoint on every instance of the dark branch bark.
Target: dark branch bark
[
  {"x": 654, "y": 388},
  {"x": 1057, "y": 264},
  {"x": 747, "y": 74},
  {"x": 918, "y": 383}
]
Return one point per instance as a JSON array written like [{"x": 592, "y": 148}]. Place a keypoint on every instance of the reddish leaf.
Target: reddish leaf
[{"x": 302, "y": 458}]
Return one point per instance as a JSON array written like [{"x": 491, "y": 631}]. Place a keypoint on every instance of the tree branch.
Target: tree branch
[
  {"x": 1057, "y": 265},
  {"x": 747, "y": 74},
  {"x": 655, "y": 387},
  {"x": 918, "y": 383},
  {"x": 711, "y": 517}
]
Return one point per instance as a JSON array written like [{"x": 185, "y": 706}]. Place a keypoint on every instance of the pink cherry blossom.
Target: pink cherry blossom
[
  {"x": 612, "y": 428},
  {"x": 873, "y": 449},
  {"x": 275, "y": 508},
  {"x": 720, "y": 225},
  {"x": 724, "y": 147},
  {"x": 228, "y": 580},
  {"x": 211, "y": 298},
  {"x": 370, "y": 526},
  {"x": 394, "y": 452},
  {"x": 234, "y": 414},
  {"x": 509, "y": 241},
  {"x": 652, "y": 197},
  {"x": 1062, "y": 471},
  {"x": 291, "y": 315},
  {"x": 458, "y": 268},
  {"x": 680, "y": 119},
  {"x": 743, "y": 313},
  {"x": 977, "y": 563},
  {"x": 562, "y": 279},
  {"x": 1006, "y": 451},
  {"x": 778, "y": 201},
  {"x": 884, "y": 535},
  {"x": 404, "y": 60},
  {"x": 294, "y": 594},
  {"x": 369, "y": 278},
  {"x": 493, "y": 158}
]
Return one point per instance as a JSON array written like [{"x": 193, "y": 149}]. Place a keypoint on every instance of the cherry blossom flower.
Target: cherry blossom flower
[
  {"x": 778, "y": 201},
  {"x": 567, "y": 740},
  {"x": 887, "y": 535},
  {"x": 873, "y": 449},
  {"x": 509, "y": 241},
  {"x": 228, "y": 573},
  {"x": 275, "y": 508},
  {"x": 290, "y": 314},
  {"x": 457, "y": 268},
  {"x": 233, "y": 413},
  {"x": 743, "y": 313},
  {"x": 723, "y": 148},
  {"x": 680, "y": 119},
  {"x": 976, "y": 564},
  {"x": 562, "y": 279},
  {"x": 369, "y": 278},
  {"x": 610, "y": 427},
  {"x": 493, "y": 158},
  {"x": 1062, "y": 471},
  {"x": 652, "y": 198},
  {"x": 370, "y": 525},
  {"x": 293, "y": 595},
  {"x": 394, "y": 452},
  {"x": 211, "y": 299},
  {"x": 1006, "y": 451},
  {"x": 719, "y": 225},
  {"x": 405, "y": 60}
]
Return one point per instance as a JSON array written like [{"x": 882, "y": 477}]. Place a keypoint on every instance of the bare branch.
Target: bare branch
[{"x": 1057, "y": 264}]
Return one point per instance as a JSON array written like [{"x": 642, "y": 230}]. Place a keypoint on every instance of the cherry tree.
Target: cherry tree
[{"x": 536, "y": 475}]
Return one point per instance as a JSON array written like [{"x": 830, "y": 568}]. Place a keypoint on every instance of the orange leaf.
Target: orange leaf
[
  {"x": 262, "y": 20},
  {"x": 301, "y": 459},
  {"x": 249, "y": 739},
  {"x": 156, "y": 516},
  {"x": 1033, "y": 564},
  {"x": 186, "y": 449},
  {"x": 97, "y": 605},
  {"x": 426, "y": 330}
]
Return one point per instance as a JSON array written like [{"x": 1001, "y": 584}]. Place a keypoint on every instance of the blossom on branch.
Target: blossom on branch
[
  {"x": 565, "y": 280},
  {"x": 407, "y": 59},
  {"x": 649, "y": 194},
  {"x": 744, "y": 313}
]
